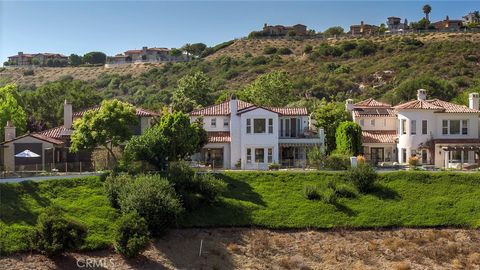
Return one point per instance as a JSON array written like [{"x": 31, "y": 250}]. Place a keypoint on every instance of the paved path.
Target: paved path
[{"x": 43, "y": 178}]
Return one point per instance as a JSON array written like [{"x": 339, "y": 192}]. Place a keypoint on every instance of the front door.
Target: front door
[
  {"x": 377, "y": 155},
  {"x": 214, "y": 157}
]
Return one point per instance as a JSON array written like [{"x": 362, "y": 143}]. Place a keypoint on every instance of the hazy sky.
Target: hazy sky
[{"x": 115, "y": 26}]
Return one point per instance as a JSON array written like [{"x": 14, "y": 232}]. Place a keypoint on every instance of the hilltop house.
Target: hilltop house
[
  {"x": 26, "y": 59},
  {"x": 363, "y": 29},
  {"x": 472, "y": 17},
  {"x": 145, "y": 55},
  {"x": 248, "y": 136},
  {"x": 439, "y": 133},
  {"x": 448, "y": 25},
  {"x": 52, "y": 145},
  {"x": 280, "y": 30},
  {"x": 395, "y": 25}
]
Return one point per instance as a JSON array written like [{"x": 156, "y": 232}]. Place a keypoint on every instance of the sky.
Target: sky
[{"x": 115, "y": 26}]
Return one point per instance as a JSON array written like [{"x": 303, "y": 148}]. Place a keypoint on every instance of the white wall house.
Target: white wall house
[
  {"x": 439, "y": 133},
  {"x": 247, "y": 136}
]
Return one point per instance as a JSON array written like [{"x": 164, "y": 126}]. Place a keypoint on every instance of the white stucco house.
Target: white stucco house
[
  {"x": 248, "y": 136},
  {"x": 439, "y": 133}
]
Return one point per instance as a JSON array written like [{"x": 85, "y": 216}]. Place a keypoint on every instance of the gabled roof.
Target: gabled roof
[
  {"x": 218, "y": 136},
  {"x": 371, "y": 103},
  {"x": 36, "y": 136},
  {"x": 373, "y": 112},
  {"x": 56, "y": 132},
  {"x": 138, "y": 111},
  {"x": 436, "y": 105},
  {"x": 223, "y": 109},
  {"x": 379, "y": 136}
]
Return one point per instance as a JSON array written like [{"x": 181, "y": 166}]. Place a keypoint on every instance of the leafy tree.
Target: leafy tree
[
  {"x": 107, "y": 127},
  {"x": 95, "y": 58},
  {"x": 382, "y": 29},
  {"x": 334, "y": 31},
  {"x": 436, "y": 88},
  {"x": 272, "y": 89},
  {"x": 173, "y": 138},
  {"x": 422, "y": 24},
  {"x": 75, "y": 60},
  {"x": 197, "y": 48},
  {"x": 316, "y": 157},
  {"x": 349, "y": 138},
  {"x": 175, "y": 52},
  {"x": 426, "y": 10},
  {"x": 328, "y": 116},
  {"x": 10, "y": 110},
  {"x": 194, "y": 90},
  {"x": 131, "y": 235},
  {"x": 35, "y": 62}
]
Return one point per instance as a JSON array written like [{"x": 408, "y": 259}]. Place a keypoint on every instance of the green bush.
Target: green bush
[
  {"x": 209, "y": 187},
  {"x": 274, "y": 166},
  {"x": 308, "y": 49},
  {"x": 337, "y": 162},
  {"x": 56, "y": 234},
  {"x": 28, "y": 72},
  {"x": 284, "y": 51},
  {"x": 344, "y": 191},
  {"x": 363, "y": 177},
  {"x": 131, "y": 235},
  {"x": 154, "y": 199},
  {"x": 311, "y": 192},
  {"x": 113, "y": 185},
  {"x": 329, "y": 196},
  {"x": 181, "y": 175},
  {"x": 270, "y": 50}
]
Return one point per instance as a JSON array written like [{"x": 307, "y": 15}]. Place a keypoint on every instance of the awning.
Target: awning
[{"x": 462, "y": 147}]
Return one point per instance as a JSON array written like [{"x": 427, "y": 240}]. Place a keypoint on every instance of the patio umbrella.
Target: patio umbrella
[{"x": 27, "y": 154}]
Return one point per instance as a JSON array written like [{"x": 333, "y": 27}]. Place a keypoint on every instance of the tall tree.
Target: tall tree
[
  {"x": 95, "y": 58},
  {"x": 328, "y": 116},
  {"x": 349, "y": 138},
  {"x": 10, "y": 110},
  {"x": 427, "y": 9},
  {"x": 272, "y": 89},
  {"x": 75, "y": 60},
  {"x": 334, "y": 31},
  {"x": 173, "y": 138},
  {"x": 193, "y": 89},
  {"x": 111, "y": 125}
]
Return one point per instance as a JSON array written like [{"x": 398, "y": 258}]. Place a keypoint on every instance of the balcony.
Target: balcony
[{"x": 307, "y": 136}]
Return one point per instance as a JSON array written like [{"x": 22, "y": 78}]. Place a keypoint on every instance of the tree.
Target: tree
[
  {"x": 192, "y": 90},
  {"x": 95, "y": 58},
  {"x": 75, "y": 60},
  {"x": 334, "y": 31},
  {"x": 328, "y": 116},
  {"x": 272, "y": 89},
  {"x": 107, "y": 127},
  {"x": 349, "y": 138},
  {"x": 188, "y": 49},
  {"x": 173, "y": 138},
  {"x": 175, "y": 52},
  {"x": 436, "y": 87},
  {"x": 197, "y": 48},
  {"x": 382, "y": 29},
  {"x": 10, "y": 110},
  {"x": 427, "y": 9},
  {"x": 421, "y": 25}
]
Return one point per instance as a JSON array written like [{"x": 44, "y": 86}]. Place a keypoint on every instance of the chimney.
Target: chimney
[
  {"x": 361, "y": 23},
  {"x": 10, "y": 131},
  {"x": 233, "y": 104},
  {"x": 144, "y": 49},
  {"x": 20, "y": 53},
  {"x": 67, "y": 115},
  {"x": 421, "y": 94},
  {"x": 473, "y": 101},
  {"x": 349, "y": 105}
]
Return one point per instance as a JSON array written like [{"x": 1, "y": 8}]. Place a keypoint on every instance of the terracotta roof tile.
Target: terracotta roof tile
[
  {"x": 371, "y": 103},
  {"x": 242, "y": 107},
  {"x": 37, "y": 136},
  {"x": 218, "y": 136},
  {"x": 373, "y": 112},
  {"x": 436, "y": 104},
  {"x": 379, "y": 136},
  {"x": 55, "y": 132},
  {"x": 418, "y": 104}
]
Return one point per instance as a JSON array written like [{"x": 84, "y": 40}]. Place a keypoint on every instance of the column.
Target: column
[{"x": 446, "y": 155}]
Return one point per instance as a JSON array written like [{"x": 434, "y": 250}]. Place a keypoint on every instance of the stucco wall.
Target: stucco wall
[{"x": 9, "y": 151}]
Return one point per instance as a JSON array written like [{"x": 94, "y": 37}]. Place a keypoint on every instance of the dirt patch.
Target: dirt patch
[{"x": 267, "y": 249}]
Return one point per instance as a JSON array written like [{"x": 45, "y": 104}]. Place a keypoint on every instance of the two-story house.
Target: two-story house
[
  {"x": 439, "y": 133},
  {"x": 248, "y": 136},
  {"x": 52, "y": 145}
]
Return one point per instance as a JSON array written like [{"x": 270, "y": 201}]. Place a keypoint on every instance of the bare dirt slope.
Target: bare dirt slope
[{"x": 265, "y": 249}]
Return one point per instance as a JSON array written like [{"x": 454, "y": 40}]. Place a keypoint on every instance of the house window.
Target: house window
[
  {"x": 384, "y": 122},
  {"x": 213, "y": 122},
  {"x": 249, "y": 126},
  {"x": 259, "y": 125},
  {"x": 259, "y": 155},
  {"x": 444, "y": 127},
  {"x": 424, "y": 127},
  {"x": 270, "y": 155},
  {"x": 464, "y": 127},
  {"x": 404, "y": 155},
  {"x": 270, "y": 125},
  {"x": 424, "y": 156},
  {"x": 413, "y": 127},
  {"x": 372, "y": 122},
  {"x": 226, "y": 122},
  {"x": 249, "y": 155},
  {"x": 403, "y": 126},
  {"x": 362, "y": 123},
  {"x": 454, "y": 126}
]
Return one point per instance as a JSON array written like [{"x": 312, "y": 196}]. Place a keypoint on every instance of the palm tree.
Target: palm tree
[{"x": 427, "y": 9}]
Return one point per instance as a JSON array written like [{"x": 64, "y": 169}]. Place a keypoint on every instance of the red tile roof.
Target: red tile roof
[
  {"x": 437, "y": 105},
  {"x": 379, "y": 136},
  {"x": 138, "y": 112},
  {"x": 373, "y": 112},
  {"x": 55, "y": 132},
  {"x": 218, "y": 136},
  {"x": 371, "y": 103},
  {"x": 242, "y": 107}
]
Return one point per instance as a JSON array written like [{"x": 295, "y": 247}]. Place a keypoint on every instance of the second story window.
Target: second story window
[
  {"x": 403, "y": 126},
  {"x": 249, "y": 126},
  {"x": 454, "y": 126},
  {"x": 362, "y": 122},
  {"x": 444, "y": 127},
  {"x": 226, "y": 122},
  {"x": 464, "y": 127},
  {"x": 413, "y": 127},
  {"x": 372, "y": 122},
  {"x": 213, "y": 122},
  {"x": 270, "y": 125},
  {"x": 424, "y": 127},
  {"x": 259, "y": 125}
]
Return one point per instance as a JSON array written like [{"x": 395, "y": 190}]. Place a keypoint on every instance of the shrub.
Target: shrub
[
  {"x": 311, "y": 192},
  {"x": 363, "y": 177},
  {"x": 28, "y": 72},
  {"x": 154, "y": 199},
  {"x": 284, "y": 51},
  {"x": 113, "y": 185},
  {"x": 308, "y": 49},
  {"x": 270, "y": 50},
  {"x": 56, "y": 234},
  {"x": 209, "y": 187},
  {"x": 274, "y": 166},
  {"x": 181, "y": 175},
  {"x": 131, "y": 235},
  {"x": 414, "y": 162},
  {"x": 337, "y": 162},
  {"x": 329, "y": 196},
  {"x": 316, "y": 157},
  {"x": 344, "y": 191}
]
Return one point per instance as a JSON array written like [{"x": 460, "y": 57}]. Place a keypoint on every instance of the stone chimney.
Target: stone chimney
[
  {"x": 473, "y": 101},
  {"x": 67, "y": 115},
  {"x": 349, "y": 105},
  {"x": 10, "y": 131},
  {"x": 421, "y": 94}
]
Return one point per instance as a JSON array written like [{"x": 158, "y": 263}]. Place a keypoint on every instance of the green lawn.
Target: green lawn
[{"x": 267, "y": 199}]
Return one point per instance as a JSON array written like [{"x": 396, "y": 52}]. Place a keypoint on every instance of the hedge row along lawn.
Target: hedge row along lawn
[{"x": 266, "y": 199}]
